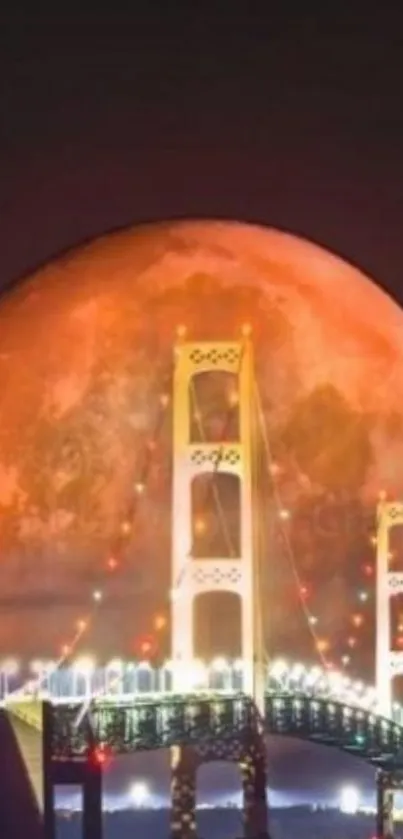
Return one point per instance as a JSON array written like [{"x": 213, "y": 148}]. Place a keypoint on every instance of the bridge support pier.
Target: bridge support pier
[
  {"x": 88, "y": 776},
  {"x": 250, "y": 753},
  {"x": 386, "y": 785}
]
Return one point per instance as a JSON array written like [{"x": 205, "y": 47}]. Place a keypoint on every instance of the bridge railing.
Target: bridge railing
[{"x": 121, "y": 679}]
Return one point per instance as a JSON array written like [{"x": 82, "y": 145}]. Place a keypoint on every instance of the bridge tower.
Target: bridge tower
[
  {"x": 193, "y": 577},
  {"x": 389, "y": 662}
]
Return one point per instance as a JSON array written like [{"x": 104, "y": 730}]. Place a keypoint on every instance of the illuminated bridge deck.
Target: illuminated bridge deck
[{"x": 147, "y": 724}]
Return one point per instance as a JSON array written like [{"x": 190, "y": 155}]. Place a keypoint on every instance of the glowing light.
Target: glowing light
[
  {"x": 10, "y": 666},
  {"x": 220, "y": 665},
  {"x": 233, "y": 398},
  {"x": 278, "y": 669},
  {"x": 66, "y": 650},
  {"x": 164, "y": 400},
  {"x": 304, "y": 591},
  {"x": 97, "y": 595},
  {"x": 199, "y": 526},
  {"x": 85, "y": 665},
  {"x": 112, "y": 563},
  {"x": 181, "y": 330},
  {"x": 139, "y": 487},
  {"x": 351, "y": 642},
  {"x": 368, "y": 569},
  {"x": 196, "y": 675},
  {"x": 246, "y": 329},
  {"x": 160, "y": 622},
  {"x": 126, "y": 527},
  {"x": 349, "y": 800},
  {"x": 345, "y": 660},
  {"x": 357, "y": 620},
  {"x": 284, "y": 514},
  {"x": 374, "y": 540},
  {"x": 100, "y": 756},
  {"x": 139, "y": 793},
  {"x": 382, "y": 495},
  {"x": 363, "y": 596},
  {"x": 145, "y": 647},
  {"x": 313, "y": 620},
  {"x": 322, "y": 645},
  {"x": 81, "y": 625}
]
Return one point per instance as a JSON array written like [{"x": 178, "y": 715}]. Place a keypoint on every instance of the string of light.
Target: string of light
[
  {"x": 112, "y": 561},
  {"x": 283, "y": 515}
]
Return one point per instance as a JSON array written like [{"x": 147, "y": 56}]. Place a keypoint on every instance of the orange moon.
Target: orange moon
[{"x": 86, "y": 349}]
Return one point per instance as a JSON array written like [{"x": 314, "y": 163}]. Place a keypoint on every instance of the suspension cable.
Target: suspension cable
[{"x": 284, "y": 531}]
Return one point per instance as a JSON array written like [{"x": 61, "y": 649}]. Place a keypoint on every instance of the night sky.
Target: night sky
[{"x": 294, "y": 122}]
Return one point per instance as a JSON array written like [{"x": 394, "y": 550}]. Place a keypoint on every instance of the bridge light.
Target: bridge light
[
  {"x": 357, "y": 620},
  {"x": 279, "y": 669},
  {"x": 116, "y": 665},
  {"x": 160, "y": 622},
  {"x": 233, "y": 398},
  {"x": 351, "y": 642},
  {"x": 81, "y": 625},
  {"x": 139, "y": 487},
  {"x": 99, "y": 756},
  {"x": 139, "y": 793},
  {"x": 322, "y": 645},
  {"x": 345, "y": 660},
  {"x": 284, "y": 514},
  {"x": 313, "y": 620},
  {"x": 84, "y": 665},
  {"x": 197, "y": 674},
  {"x": 199, "y": 525},
  {"x": 97, "y": 595},
  {"x": 10, "y": 667},
  {"x": 349, "y": 800},
  {"x": 112, "y": 563},
  {"x": 126, "y": 527},
  {"x": 368, "y": 569},
  {"x": 363, "y": 596},
  {"x": 219, "y": 665}
]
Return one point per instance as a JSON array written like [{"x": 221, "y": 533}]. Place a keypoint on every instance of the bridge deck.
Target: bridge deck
[{"x": 146, "y": 724}]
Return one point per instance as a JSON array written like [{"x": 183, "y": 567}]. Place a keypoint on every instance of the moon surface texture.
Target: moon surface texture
[{"x": 86, "y": 356}]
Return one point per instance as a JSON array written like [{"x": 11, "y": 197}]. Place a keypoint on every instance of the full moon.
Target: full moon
[{"x": 86, "y": 357}]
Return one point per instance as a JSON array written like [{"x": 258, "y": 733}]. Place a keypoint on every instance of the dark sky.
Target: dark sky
[{"x": 292, "y": 121}]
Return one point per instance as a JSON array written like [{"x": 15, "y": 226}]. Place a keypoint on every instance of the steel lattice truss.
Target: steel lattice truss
[{"x": 140, "y": 725}]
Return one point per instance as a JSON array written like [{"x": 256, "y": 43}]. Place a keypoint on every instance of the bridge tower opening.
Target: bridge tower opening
[{"x": 238, "y": 575}]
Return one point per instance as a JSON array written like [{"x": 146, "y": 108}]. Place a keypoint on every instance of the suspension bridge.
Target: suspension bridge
[{"x": 66, "y": 723}]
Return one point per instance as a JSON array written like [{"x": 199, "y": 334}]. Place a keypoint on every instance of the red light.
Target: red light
[
  {"x": 304, "y": 591},
  {"x": 99, "y": 756},
  {"x": 112, "y": 563},
  {"x": 145, "y": 647},
  {"x": 368, "y": 569}
]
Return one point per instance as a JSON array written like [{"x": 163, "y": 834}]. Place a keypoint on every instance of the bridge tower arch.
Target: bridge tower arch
[{"x": 192, "y": 577}]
